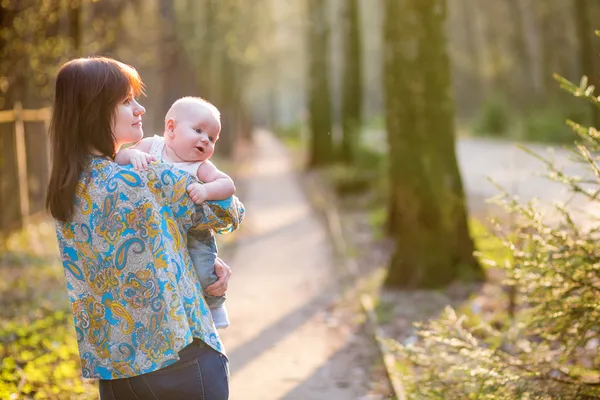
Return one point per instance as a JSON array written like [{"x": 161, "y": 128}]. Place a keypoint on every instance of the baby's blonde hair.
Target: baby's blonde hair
[{"x": 187, "y": 101}]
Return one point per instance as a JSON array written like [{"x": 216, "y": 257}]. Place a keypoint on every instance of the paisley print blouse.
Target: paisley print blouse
[{"x": 135, "y": 297}]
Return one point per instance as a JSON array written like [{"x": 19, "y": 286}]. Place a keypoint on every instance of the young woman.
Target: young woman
[{"x": 143, "y": 327}]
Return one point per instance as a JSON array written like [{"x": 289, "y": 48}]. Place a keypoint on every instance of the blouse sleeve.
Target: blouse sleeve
[{"x": 222, "y": 216}]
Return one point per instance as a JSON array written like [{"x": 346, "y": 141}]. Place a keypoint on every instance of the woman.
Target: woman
[{"x": 143, "y": 327}]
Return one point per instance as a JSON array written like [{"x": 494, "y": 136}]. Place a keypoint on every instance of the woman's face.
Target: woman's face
[{"x": 127, "y": 125}]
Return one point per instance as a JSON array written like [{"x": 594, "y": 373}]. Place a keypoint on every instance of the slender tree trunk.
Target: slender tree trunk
[
  {"x": 533, "y": 43},
  {"x": 352, "y": 81},
  {"x": 522, "y": 64},
  {"x": 229, "y": 105},
  {"x": 586, "y": 53},
  {"x": 106, "y": 17},
  {"x": 9, "y": 212},
  {"x": 473, "y": 91},
  {"x": 74, "y": 15},
  {"x": 207, "y": 54},
  {"x": 319, "y": 97},
  {"x": 433, "y": 246},
  {"x": 169, "y": 54}
]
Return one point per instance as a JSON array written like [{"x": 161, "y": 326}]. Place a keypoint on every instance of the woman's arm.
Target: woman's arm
[{"x": 222, "y": 216}]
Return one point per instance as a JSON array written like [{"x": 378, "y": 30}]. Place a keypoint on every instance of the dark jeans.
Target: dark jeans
[{"x": 201, "y": 373}]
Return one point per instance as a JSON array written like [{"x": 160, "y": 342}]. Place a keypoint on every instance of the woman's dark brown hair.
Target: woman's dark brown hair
[{"x": 88, "y": 91}]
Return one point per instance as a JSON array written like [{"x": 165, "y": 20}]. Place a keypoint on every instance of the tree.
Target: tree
[
  {"x": 33, "y": 44},
  {"x": 548, "y": 349},
  {"x": 586, "y": 55},
  {"x": 319, "y": 103},
  {"x": 221, "y": 51},
  {"x": 74, "y": 16},
  {"x": 522, "y": 63},
  {"x": 427, "y": 203},
  {"x": 352, "y": 81},
  {"x": 178, "y": 76}
]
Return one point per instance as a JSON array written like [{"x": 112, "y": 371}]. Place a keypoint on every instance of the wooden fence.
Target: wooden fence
[{"x": 24, "y": 165}]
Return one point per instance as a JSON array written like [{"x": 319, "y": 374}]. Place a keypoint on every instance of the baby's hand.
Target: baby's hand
[
  {"x": 140, "y": 160},
  {"x": 197, "y": 192}
]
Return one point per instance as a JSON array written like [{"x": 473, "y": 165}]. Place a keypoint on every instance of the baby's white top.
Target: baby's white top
[{"x": 156, "y": 150}]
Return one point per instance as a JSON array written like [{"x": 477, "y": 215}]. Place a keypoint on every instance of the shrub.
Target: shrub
[
  {"x": 290, "y": 134},
  {"x": 494, "y": 118},
  {"x": 549, "y": 348},
  {"x": 547, "y": 124}
]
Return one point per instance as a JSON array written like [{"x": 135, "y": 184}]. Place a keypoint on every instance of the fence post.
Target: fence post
[
  {"x": 48, "y": 145},
  {"x": 21, "y": 163}
]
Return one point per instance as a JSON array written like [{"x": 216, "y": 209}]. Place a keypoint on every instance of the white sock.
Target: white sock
[{"x": 220, "y": 318}]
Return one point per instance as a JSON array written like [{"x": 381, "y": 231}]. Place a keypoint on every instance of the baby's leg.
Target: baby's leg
[{"x": 203, "y": 252}]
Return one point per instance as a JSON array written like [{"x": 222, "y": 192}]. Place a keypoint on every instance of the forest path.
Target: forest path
[{"x": 287, "y": 339}]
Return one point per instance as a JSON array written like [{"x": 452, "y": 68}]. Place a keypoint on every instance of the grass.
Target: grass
[
  {"x": 489, "y": 248},
  {"x": 38, "y": 349}
]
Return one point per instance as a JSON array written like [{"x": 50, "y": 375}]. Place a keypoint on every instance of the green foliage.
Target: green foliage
[
  {"x": 549, "y": 348},
  {"x": 369, "y": 158},
  {"x": 40, "y": 359},
  {"x": 376, "y": 122},
  {"x": 377, "y": 219},
  {"x": 38, "y": 349},
  {"x": 547, "y": 124},
  {"x": 494, "y": 118},
  {"x": 361, "y": 177},
  {"x": 544, "y": 123},
  {"x": 291, "y": 134},
  {"x": 488, "y": 247},
  {"x": 31, "y": 51},
  {"x": 348, "y": 180}
]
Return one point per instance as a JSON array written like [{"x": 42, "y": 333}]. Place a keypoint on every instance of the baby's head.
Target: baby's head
[{"x": 192, "y": 127}]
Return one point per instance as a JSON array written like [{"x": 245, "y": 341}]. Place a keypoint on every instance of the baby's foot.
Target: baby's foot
[{"x": 220, "y": 317}]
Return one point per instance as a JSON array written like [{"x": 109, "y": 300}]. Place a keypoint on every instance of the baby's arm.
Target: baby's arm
[
  {"x": 136, "y": 155},
  {"x": 217, "y": 185}
]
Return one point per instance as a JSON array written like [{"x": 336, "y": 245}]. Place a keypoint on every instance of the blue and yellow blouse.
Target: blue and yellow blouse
[{"x": 135, "y": 297}]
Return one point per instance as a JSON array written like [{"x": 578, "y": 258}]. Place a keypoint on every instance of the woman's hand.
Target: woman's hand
[{"x": 220, "y": 286}]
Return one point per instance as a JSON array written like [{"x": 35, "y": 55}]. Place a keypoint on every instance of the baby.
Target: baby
[{"x": 192, "y": 128}]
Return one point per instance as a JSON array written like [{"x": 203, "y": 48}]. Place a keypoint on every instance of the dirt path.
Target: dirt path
[{"x": 286, "y": 340}]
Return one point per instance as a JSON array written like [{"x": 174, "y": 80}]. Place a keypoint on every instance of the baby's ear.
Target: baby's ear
[{"x": 169, "y": 126}]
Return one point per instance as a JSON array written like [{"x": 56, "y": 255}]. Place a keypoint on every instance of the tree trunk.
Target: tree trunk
[
  {"x": 586, "y": 52},
  {"x": 74, "y": 15},
  {"x": 433, "y": 246},
  {"x": 352, "y": 81},
  {"x": 107, "y": 23},
  {"x": 468, "y": 69},
  {"x": 229, "y": 104},
  {"x": 319, "y": 102},
  {"x": 523, "y": 86},
  {"x": 533, "y": 42}
]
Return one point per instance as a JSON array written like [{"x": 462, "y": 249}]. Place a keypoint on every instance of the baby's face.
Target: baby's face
[{"x": 195, "y": 133}]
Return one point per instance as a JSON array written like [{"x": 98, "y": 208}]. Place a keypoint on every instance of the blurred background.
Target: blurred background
[
  {"x": 252, "y": 61},
  {"x": 400, "y": 108}
]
